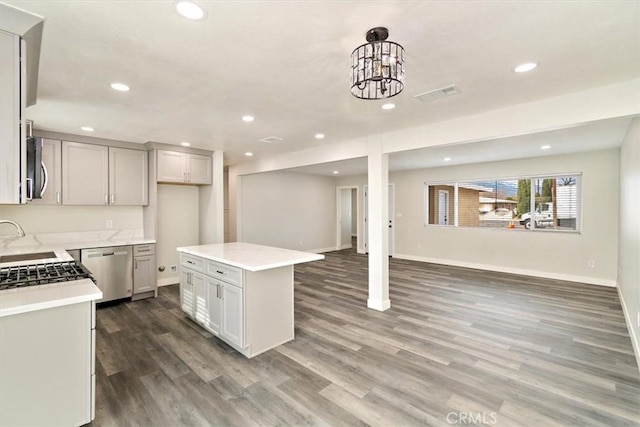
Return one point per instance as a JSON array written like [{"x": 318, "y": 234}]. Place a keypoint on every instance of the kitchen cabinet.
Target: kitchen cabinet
[
  {"x": 183, "y": 168},
  {"x": 247, "y": 297},
  {"x": 101, "y": 175},
  {"x": 214, "y": 305},
  {"x": 144, "y": 271},
  {"x": 12, "y": 116},
  {"x": 232, "y": 324},
  {"x": 128, "y": 177},
  {"x": 52, "y": 161},
  {"x": 47, "y": 366},
  {"x": 85, "y": 174}
]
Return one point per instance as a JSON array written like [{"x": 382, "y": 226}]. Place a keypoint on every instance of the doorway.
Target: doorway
[
  {"x": 346, "y": 217},
  {"x": 392, "y": 219}
]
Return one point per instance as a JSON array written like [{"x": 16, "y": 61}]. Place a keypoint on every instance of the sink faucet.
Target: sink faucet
[{"x": 15, "y": 224}]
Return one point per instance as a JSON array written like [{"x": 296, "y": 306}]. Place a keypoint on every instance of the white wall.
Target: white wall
[
  {"x": 345, "y": 218},
  {"x": 354, "y": 211},
  {"x": 178, "y": 219},
  {"x": 288, "y": 210},
  {"x": 552, "y": 254},
  {"x": 62, "y": 219},
  {"x": 629, "y": 240}
]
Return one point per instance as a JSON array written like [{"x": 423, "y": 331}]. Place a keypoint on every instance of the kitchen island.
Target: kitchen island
[{"x": 241, "y": 292}]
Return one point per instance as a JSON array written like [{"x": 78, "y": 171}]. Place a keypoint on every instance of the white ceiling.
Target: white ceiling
[
  {"x": 287, "y": 62},
  {"x": 593, "y": 136}
]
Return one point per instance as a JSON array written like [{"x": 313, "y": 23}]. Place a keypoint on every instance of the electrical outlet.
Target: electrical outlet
[
  {"x": 109, "y": 223},
  {"x": 591, "y": 264},
  {"x": 173, "y": 268}
]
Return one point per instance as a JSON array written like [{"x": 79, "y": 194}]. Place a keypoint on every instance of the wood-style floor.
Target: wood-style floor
[{"x": 457, "y": 347}]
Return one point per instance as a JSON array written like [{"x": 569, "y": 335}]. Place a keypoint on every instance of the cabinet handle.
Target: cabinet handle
[
  {"x": 184, "y": 176},
  {"x": 113, "y": 198},
  {"x": 221, "y": 272},
  {"x": 57, "y": 197},
  {"x": 135, "y": 263},
  {"x": 190, "y": 262},
  {"x": 218, "y": 290},
  {"x": 188, "y": 176}
]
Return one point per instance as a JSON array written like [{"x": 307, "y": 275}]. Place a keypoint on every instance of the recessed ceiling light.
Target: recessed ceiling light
[
  {"x": 319, "y": 135},
  {"x": 336, "y": 172},
  {"x": 87, "y": 128},
  {"x": 388, "y": 106},
  {"x": 523, "y": 68},
  {"x": 120, "y": 87},
  {"x": 545, "y": 147},
  {"x": 248, "y": 154},
  {"x": 447, "y": 159},
  {"x": 185, "y": 144},
  {"x": 190, "y": 10},
  {"x": 247, "y": 118}
]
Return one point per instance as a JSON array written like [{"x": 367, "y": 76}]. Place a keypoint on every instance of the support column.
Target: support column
[{"x": 378, "y": 223}]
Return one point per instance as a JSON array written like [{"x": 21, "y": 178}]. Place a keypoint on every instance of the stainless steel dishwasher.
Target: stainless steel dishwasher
[{"x": 113, "y": 270}]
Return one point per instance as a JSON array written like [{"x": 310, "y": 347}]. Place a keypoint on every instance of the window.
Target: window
[{"x": 506, "y": 203}]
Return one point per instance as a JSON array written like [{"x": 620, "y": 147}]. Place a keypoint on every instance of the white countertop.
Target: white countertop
[
  {"x": 43, "y": 242},
  {"x": 249, "y": 256},
  {"x": 23, "y": 300}
]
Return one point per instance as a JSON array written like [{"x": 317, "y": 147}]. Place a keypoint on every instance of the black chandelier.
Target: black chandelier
[{"x": 377, "y": 67}]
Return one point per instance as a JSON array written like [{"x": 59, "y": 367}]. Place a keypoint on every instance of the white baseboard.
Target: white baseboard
[
  {"x": 349, "y": 246},
  {"x": 632, "y": 332},
  {"x": 169, "y": 281},
  {"x": 319, "y": 251},
  {"x": 379, "y": 305},
  {"x": 521, "y": 271}
]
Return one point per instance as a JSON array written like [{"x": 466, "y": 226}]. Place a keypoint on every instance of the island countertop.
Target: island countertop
[{"x": 249, "y": 256}]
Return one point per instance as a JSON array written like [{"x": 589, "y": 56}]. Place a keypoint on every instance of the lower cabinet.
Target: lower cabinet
[
  {"x": 144, "y": 274},
  {"x": 252, "y": 311}
]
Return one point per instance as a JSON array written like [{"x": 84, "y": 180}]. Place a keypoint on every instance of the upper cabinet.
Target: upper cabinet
[
  {"x": 52, "y": 173},
  {"x": 100, "y": 175},
  {"x": 85, "y": 174},
  {"x": 128, "y": 177},
  {"x": 183, "y": 168}
]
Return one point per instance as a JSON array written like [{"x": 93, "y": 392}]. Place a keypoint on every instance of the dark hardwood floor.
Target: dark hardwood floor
[{"x": 457, "y": 347}]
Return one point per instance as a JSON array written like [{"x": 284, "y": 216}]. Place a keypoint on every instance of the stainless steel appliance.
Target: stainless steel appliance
[
  {"x": 37, "y": 176},
  {"x": 112, "y": 269},
  {"x": 41, "y": 274}
]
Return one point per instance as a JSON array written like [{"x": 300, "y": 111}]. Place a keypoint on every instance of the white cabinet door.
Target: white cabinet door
[
  {"x": 12, "y": 113},
  {"x": 198, "y": 169},
  {"x": 85, "y": 174},
  {"x": 144, "y": 278},
  {"x": 52, "y": 173},
  {"x": 171, "y": 167},
  {"x": 232, "y": 315},
  {"x": 214, "y": 306},
  {"x": 186, "y": 292},
  {"x": 128, "y": 177},
  {"x": 200, "y": 298}
]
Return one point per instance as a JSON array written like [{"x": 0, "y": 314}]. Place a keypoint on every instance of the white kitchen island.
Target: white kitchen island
[{"x": 241, "y": 292}]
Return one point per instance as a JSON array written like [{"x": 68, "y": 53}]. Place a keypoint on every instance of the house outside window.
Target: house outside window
[{"x": 505, "y": 203}]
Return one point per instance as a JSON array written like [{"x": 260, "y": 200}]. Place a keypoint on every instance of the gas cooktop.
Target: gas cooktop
[{"x": 41, "y": 274}]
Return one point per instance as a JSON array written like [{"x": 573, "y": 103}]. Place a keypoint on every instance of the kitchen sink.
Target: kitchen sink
[{"x": 27, "y": 257}]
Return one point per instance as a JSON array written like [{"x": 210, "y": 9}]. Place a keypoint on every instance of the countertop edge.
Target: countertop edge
[
  {"x": 307, "y": 258},
  {"x": 76, "y": 293}
]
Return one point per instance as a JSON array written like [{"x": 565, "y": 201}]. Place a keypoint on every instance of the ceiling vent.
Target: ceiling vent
[
  {"x": 270, "y": 139},
  {"x": 437, "y": 93}
]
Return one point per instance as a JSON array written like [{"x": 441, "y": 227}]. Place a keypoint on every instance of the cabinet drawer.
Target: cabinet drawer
[
  {"x": 224, "y": 272},
  {"x": 192, "y": 262},
  {"x": 141, "y": 250}
]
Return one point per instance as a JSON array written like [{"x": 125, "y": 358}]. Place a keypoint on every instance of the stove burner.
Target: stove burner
[{"x": 41, "y": 274}]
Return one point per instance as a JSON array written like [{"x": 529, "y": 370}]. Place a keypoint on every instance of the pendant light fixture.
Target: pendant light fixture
[{"x": 377, "y": 67}]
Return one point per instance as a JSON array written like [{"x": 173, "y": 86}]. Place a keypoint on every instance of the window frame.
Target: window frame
[{"x": 532, "y": 178}]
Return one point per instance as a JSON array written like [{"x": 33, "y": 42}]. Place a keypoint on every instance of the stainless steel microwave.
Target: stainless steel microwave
[{"x": 36, "y": 180}]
